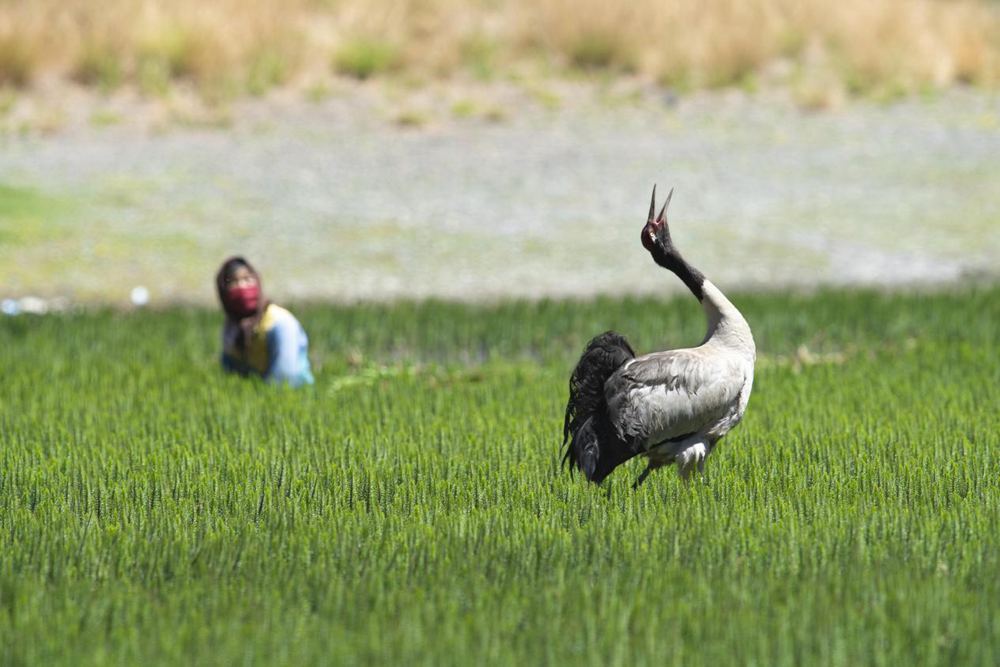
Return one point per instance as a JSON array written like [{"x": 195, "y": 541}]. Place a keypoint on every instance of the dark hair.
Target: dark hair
[{"x": 230, "y": 265}]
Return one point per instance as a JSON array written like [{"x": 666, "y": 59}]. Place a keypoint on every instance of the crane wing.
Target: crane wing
[{"x": 666, "y": 395}]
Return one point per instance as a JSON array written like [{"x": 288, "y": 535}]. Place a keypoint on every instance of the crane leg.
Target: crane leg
[{"x": 650, "y": 467}]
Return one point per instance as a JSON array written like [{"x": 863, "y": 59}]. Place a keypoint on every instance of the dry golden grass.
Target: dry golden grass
[{"x": 237, "y": 46}]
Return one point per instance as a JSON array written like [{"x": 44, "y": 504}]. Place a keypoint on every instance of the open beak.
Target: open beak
[{"x": 663, "y": 211}]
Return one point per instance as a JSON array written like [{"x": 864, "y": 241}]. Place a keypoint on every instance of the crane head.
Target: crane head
[{"x": 656, "y": 233}]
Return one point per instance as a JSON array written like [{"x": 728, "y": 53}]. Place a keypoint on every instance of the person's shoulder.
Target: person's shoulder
[{"x": 275, "y": 315}]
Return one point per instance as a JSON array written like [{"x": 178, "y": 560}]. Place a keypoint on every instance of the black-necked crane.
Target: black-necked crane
[{"x": 672, "y": 406}]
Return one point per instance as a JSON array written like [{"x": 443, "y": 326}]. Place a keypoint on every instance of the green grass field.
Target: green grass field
[{"x": 409, "y": 508}]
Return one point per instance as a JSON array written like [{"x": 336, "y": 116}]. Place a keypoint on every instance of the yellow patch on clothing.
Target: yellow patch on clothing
[{"x": 258, "y": 354}]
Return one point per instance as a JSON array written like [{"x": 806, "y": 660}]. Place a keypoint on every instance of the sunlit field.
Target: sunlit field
[
  {"x": 410, "y": 508},
  {"x": 233, "y": 47}
]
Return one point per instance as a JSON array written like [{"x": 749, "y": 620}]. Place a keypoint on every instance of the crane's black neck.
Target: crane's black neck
[{"x": 690, "y": 276}]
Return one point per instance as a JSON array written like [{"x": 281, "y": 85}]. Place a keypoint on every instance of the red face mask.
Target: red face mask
[{"x": 242, "y": 301}]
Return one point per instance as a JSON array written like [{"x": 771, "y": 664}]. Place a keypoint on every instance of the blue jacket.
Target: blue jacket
[{"x": 278, "y": 349}]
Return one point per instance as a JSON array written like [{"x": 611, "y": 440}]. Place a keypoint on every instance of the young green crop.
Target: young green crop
[{"x": 409, "y": 508}]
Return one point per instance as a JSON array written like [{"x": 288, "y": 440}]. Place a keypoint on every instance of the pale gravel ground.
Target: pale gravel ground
[{"x": 335, "y": 201}]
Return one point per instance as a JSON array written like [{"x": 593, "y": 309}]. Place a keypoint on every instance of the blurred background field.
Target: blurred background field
[
  {"x": 337, "y": 201},
  {"x": 231, "y": 47},
  {"x": 481, "y": 149}
]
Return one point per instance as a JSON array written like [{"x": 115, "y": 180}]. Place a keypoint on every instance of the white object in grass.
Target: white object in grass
[{"x": 139, "y": 296}]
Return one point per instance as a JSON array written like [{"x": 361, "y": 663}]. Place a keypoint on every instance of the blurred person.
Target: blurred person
[{"x": 259, "y": 338}]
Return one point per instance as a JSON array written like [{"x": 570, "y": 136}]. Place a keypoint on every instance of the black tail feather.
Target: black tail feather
[{"x": 594, "y": 446}]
